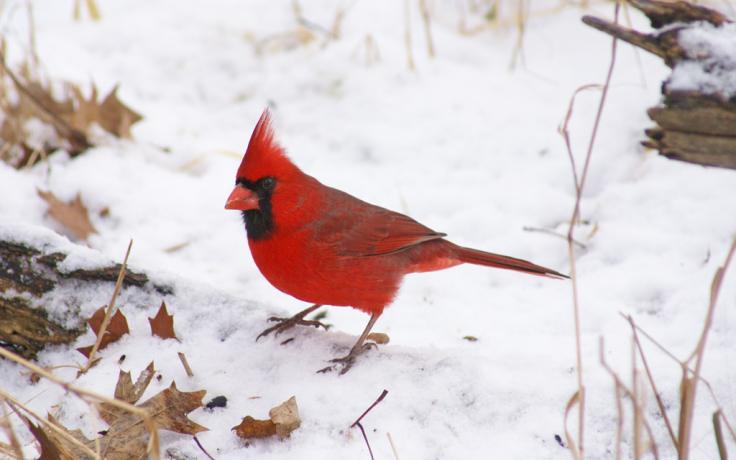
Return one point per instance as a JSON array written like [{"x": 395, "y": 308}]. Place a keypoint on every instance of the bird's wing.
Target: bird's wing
[{"x": 357, "y": 228}]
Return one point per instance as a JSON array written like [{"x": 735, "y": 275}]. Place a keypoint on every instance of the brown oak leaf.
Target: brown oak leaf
[
  {"x": 117, "y": 327},
  {"x": 162, "y": 325},
  {"x": 116, "y": 117},
  {"x": 73, "y": 216},
  {"x": 128, "y": 436},
  {"x": 127, "y": 392},
  {"x": 55, "y": 446}
]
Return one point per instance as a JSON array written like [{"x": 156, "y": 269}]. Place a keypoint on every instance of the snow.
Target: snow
[
  {"x": 710, "y": 66},
  {"x": 462, "y": 144}
]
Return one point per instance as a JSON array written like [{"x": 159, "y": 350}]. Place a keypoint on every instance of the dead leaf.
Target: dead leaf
[
  {"x": 116, "y": 117},
  {"x": 284, "y": 419},
  {"x": 117, "y": 327},
  {"x": 128, "y": 392},
  {"x": 162, "y": 325},
  {"x": 251, "y": 428},
  {"x": 127, "y": 437},
  {"x": 54, "y": 445},
  {"x": 73, "y": 215},
  {"x": 62, "y": 105},
  {"x": 379, "y": 337}
]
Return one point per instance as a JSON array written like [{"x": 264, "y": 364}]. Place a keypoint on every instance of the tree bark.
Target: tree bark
[{"x": 26, "y": 274}]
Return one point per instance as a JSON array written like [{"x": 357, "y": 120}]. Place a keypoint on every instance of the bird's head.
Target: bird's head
[{"x": 263, "y": 174}]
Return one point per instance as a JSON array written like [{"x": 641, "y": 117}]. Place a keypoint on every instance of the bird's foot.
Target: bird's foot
[
  {"x": 284, "y": 324},
  {"x": 345, "y": 363}
]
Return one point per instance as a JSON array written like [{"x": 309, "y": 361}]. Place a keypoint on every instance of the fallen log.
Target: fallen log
[
  {"x": 696, "y": 119},
  {"x": 27, "y": 274}
]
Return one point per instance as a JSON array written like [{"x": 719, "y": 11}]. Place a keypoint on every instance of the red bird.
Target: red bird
[{"x": 326, "y": 247}]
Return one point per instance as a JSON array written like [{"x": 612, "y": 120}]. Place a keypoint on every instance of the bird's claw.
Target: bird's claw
[
  {"x": 346, "y": 362},
  {"x": 285, "y": 324}
]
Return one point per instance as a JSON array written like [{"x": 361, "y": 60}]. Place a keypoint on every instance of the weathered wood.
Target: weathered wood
[
  {"x": 662, "y": 13},
  {"x": 700, "y": 120},
  {"x": 695, "y": 148},
  {"x": 691, "y": 126},
  {"x": 26, "y": 330},
  {"x": 26, "y": 274},
  {"x": 664, "y": 45}
]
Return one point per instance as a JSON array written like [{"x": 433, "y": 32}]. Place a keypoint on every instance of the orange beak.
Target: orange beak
[{"x": 242, "y": 199}]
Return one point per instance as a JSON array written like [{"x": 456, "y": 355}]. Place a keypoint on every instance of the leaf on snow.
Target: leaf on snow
[
  {"x": 55, "y": 446},
  {"x": 251, "y": 428},
  {"x": 380, "y": 338},
  {"x": 170, "y": 407},
  {"x": 286, "y": 417},
  {"x": 283, "y": 419},
  {"x": 116, "y": 117},
  {"x": 73, "y": 215},
  {"x": 162, "y": 325},
  {"x": 128, "y": 435},
  {"x": 128, "y": 392},
  {"x": 60, "y": 105},
  {"x": 117, "y": 327}
]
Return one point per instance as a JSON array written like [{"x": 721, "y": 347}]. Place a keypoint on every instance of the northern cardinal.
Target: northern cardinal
[{"x": 326, "y": 247}]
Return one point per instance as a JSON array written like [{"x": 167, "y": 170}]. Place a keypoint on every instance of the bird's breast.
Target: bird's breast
[{"x": 314, "y": 271}]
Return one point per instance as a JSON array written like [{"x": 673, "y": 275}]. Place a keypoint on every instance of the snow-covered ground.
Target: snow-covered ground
[{"x": 463, "y": 144}]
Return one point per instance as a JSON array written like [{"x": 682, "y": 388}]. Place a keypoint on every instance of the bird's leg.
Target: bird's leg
[
  {"x": 360, "y": 346},
  {"x": 287, "y": 323}
]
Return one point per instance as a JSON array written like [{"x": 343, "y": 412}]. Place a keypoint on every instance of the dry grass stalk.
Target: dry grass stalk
[
  {"x": 638, "y": 330},
  {"x": 497, "y": 21},
  {"x": 580, "y": 184},
  {"x": 650, "y": 378},
  {"x": 33, "y": 48},
  {"x": 393, "y": 446},
  {"x": 91, "y": 397},
  {"x": 407, "y": 37},
  {"x": 7, "y": 427},
  {"x": 426, "y": 19},
  {"x": 689, "y": 385},
  {"x": 94, "y": 11},
  {"x": 620, "y": 423},
  {"x": 185, "y": 363},
  {"x": 372, "y": 53},
  {"x": 521, "y": 20},
  {"x": 550, "y": 232},
  {"x": 637, "y": 405},
  {"x": 574, "y": 449},
  {"x": 718, "y": 431},
  {"x": 17, "y": 406},
  {"x": 109, "y": 312}
]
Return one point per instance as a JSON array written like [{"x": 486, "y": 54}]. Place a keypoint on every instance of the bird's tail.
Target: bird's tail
[{"x": 487, "y": 259}]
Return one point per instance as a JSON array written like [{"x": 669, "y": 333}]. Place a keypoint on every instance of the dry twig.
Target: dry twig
[
  {"x": 359, "y": 425},
  {"x": 109, "y": 312}
]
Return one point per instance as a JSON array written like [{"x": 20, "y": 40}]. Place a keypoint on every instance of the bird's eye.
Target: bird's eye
[{"x": 268, "y": 183}]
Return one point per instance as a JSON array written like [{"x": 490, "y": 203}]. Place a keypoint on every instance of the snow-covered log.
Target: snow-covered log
[
  {"x": 696, "y": 121},
  {"x": 28, "y": 272}
]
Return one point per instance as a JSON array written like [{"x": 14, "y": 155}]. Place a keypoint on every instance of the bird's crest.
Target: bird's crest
[{"x": 264, "y": 156}]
